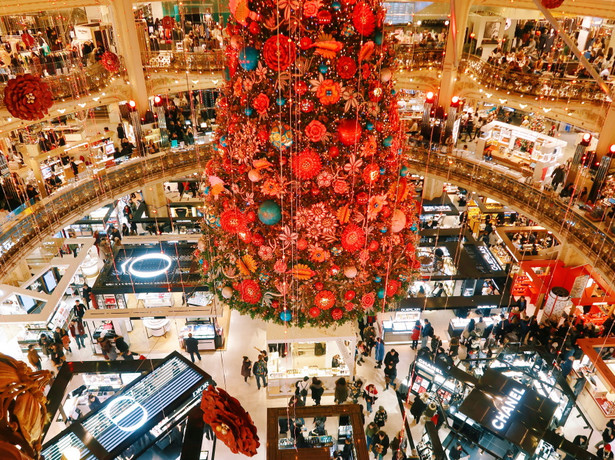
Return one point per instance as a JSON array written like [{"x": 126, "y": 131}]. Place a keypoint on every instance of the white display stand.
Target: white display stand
[
  {"x": 285, "y": 371},
  {"x": 156, "y": 327},
  {"x": 152, "y": 300}
]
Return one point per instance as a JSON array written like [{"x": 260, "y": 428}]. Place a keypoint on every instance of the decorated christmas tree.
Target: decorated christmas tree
[{"x": 309, "y": 216}]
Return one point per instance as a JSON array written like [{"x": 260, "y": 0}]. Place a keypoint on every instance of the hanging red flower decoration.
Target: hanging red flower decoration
[
  {"x": 250, "y": 291},
  {"x": 324, "y": 300},
  {"x": 329, "y": 92},
  {"x": 367, "y": 301},
  {"x": 168, "y": 22},
  {"x": 110, "y": 61},
  {"x": 392, "y": 287},
  {"x": 363, "y": 19},
  {"x": 233, "y": 221},
  {"x": 337, "y": 314},
  {"x": 279, "y": 52},
  {"x": 353, "y": 238},
  {"x": 230, "y": 422},
  {"x": 315, "y": 131},
  {"x": 28, "y": 97},
  {"x": 346, "y": 67},
  {"x": 261, "y": 103},
  {"x": 314, "y": 312},
  {"x": 349, "y": 306},
  {"x": 550, "y": 4},
  {"x": 306, "y": 164},
  {"x": 371, "y": 173}
]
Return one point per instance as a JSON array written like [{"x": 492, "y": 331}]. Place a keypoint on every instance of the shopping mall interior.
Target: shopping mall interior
[{"x": 320, "y": 229}]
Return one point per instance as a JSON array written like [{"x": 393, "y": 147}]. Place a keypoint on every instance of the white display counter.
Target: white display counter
[{"x": 156, "y": 327}]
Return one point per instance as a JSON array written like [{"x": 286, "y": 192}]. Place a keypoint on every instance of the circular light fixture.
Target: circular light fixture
[
  {"x": 132, "y": 104},
  {"x": 157, "y": 99},
  {"x": 587, "y": 137},
  {"x": 71, "y": 453},
  {"x": 148, "y": 273},
  {"x": 126, "y": 413}
]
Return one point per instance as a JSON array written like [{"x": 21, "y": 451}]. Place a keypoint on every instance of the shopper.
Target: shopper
[
  {"x": 122, "y": 346},
  {"x": 246, "y": 368},
  {"x": 260, "y": 371},
  {"x": 392, "y": 357},
  {"x": 608, "y": 436},
  {"x": 78, "y": 332},
  {"x": 426, "y": 333},
  {"x": 380, "y": 417},
  {"x": 379, "y": 352},
  {"x": 79, "y": 310},
  {"x": 360, "y": 352},
  {"x": 380, "y": 444},
  {"x": 398, "y": 444},
  {"x": 107, "y": 348},
  {"x": 370, "y": 432},
  {"x": 34, "y": 358},
  {"x": 57, "y": 355},
  {"x": 416, "y": 335},
  {"x": 93, "y": 403},
  {"x": 605, "y": 453},
  {"x": 390, "y": 374},
  {"x": 418, "y": 407},
  {"x": 369, "y": 337},
  {"x": 369, "y": 396},
  {"x": 192, "y": 347},
  {"x": 355, "y": 390},
  {"x": 45, "y": 343},
  {"x": 458, "y": 452},
  {"x": 317, "y": 390},
  {"x": 61, "y": 337},
  {"x": 341, "y": 391},
  {"x": 301, "y": 389}
]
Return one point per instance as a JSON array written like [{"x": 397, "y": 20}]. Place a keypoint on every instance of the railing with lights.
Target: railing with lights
[
  {"x": 48, "y": 216},
  {"x": 542, "y": 86},
  {"x": 415, "y": 57},
  {"x": 80, "y": 82},
  {"x": 177, "y": 60}
]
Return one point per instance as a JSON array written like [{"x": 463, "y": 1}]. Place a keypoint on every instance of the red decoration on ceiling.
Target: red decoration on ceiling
[
  {"x": 550, "y": 4},
  {"x": 229, "y": 421},
  {"x": 28, "y": 97},
  {"x": 110, "y": 61},
  {"x": 168, "y": 22}
]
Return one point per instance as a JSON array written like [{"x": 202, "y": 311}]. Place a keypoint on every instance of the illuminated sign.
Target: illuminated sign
[
  {"x": 493, "y": 264},
  {"x": 507, "y": 408},
  {"x": 129, "y": 415},
  {"x": 130, "y": 265}
]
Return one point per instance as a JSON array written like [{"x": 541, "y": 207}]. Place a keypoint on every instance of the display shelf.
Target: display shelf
[{"x": 204, "y": 333}]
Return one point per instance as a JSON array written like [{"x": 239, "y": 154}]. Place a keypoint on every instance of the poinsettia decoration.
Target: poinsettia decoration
[
  {"x": 110, "y": 61},
  {"x": 309, "y": 215},
  {"x": 229, "y": 421},
  {"x": 550, "y": 4},
  {"x": 28, "y": 97}
]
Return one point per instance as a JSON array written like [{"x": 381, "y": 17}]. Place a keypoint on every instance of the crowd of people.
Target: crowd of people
[{"x": 194, "y": 37}]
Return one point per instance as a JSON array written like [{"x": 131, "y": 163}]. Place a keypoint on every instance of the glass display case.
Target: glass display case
[
  {"x": 208, "y": 334},
  {"x": 399, "y": 329}
]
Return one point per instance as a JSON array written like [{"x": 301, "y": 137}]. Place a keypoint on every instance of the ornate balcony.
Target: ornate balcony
[
  {"x": 34, "y": 225},
  {"x": 175, "y": 60}
]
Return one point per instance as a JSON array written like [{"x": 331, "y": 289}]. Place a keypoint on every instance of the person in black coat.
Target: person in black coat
[
  {"x": 380, "y": 444},
  {"x": 317, "y": 390},
  {"x": 192, "y": 347},
  {"x": 417, "y": 409}
]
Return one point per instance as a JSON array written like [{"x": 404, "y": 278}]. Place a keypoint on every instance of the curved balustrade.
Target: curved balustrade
[
  {"x": 544, "y": 85},
  {"x": 80, "y": 82},
  {"x": 47, "y": 217},
  {"x": 177, "y": 60},
  {"x": 568, "y": 223},
  {"x": 410, "y": 57}
]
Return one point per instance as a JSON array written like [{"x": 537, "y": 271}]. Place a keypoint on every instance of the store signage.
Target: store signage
[
  {"x": 130, "y": 266},
  {"x": 130, "y": 417},
  {"x": 507, "y": 408},
  {"x": 493, "y": 264},
  {"x": 443, "y": 208},
  {"x": 429, "y": 367}
]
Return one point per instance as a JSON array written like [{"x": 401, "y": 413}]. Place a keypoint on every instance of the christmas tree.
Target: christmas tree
[{"x": 309, "y": 216}]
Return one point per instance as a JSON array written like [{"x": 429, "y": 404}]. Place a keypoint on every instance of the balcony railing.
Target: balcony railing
[
  {"x": 544, "y": 85},
  {"x": 413, "y": 58},
  {"x": 48, "y": 216},
  {"x": 80, "y": 81},
  {"x": 177, "y": 60}
]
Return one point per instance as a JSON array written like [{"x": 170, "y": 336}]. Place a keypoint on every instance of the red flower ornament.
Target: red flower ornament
[
  {"x": 363, "y": 19},
  {"x": 250, "y": 291},
  {"x": 337, "y": 314},
  {"x": 346, "y": 67},
  {"x": 315, "y": 131},
  {"x": 261, "y": 103},
  {"x": 233, "y": 221},
  {"x": 324, "y": 300},
  {"x": 367, "y": 301},
  {"x": 28, "y": 97},
  {"x": 110, "y": 61},
  {"x": 279, "y": 52},
  {"x": 353, "y": 238},
  {"x": 306, "y": 164},
  {"x": 229, "y": 421}
]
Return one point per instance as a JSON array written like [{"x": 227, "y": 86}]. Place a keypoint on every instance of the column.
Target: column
[
  {"x": 20, "y": 272},
  {"x": 128, "y": 44},
  {"x": 432, "y": 188},
  {"x": 571, "y": 256},
  {"x": 460, "y": 10},
  {"x": 607, "y": 135},
  {"x": 156, "y": 200}
]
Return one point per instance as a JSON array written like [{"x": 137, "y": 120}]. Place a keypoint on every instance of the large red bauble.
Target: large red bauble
[
  {"x": 349, "y": 295},
  {"x": 362, "y": 198},
  {"x": 334, "y": 270},
  {"x": 550, "y": 4},
  {"x": 373, "y": 246},
  {"x": 319, "y": 286},
  {"x": 250, "y": 216},
  {"x": 337, "y": 314},
  {"x": 323, "y": 17},
  {"x": 302, "y": 244},
  {"x": 301, "y": 87},
  {"x": 257, "y": 239},
  {"x": 314, "y": 312},
  {"x": 349, "y": 132},
  {"x": 334, "y": 151},
  {"x": 307, "y": 105}
]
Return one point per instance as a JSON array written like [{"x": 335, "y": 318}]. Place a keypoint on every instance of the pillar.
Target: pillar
[
  {"x": 571, "y": 256},
  {"x": 460, "y": 10},
  {"x": 432, "y": 188},
  {"x": 20, "y": 272},
  {"x": 128, "y": 45},
  {"x": 156, "y": 200}
]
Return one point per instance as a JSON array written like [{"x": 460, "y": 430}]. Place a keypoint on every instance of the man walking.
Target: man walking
[
  {"x": 426, "y": 333},
  {"x": 192, "y": 347},
  {"x": 34, "y": 358},
  {"x": 260, "y": 372},
  {"x": 79, "y": 310}
]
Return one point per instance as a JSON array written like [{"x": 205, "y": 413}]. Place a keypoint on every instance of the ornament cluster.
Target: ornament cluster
[
  {"x": 309, "y": 215},
  {"x": 28, "y": 97}
]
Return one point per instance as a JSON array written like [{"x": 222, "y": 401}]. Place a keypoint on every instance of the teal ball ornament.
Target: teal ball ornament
[
  {"x": 248, "y": 58},
  {"x": 280, "y": 101},
  {"x": 323, "y": 68},
  {"x": 388, "y": 141},
  {"x": 269, "y": 212},
  {"x": 378, "y": 37},
  {"x": 377, "y": 279},
  {"x": 336, "y": 5},
  {"x": 404, "y": 171},
  {"x": 369, "y": 125},
  {"x": 381, "y": 293},
  {"x": 286, "y": 315},
  {"x": 248, "y": 111}
]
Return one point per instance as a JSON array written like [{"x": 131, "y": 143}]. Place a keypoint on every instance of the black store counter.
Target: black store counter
[{"x": 150, "y": 414}]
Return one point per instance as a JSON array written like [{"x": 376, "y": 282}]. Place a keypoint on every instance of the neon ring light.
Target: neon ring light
[{"x": 148, "y": 273}]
